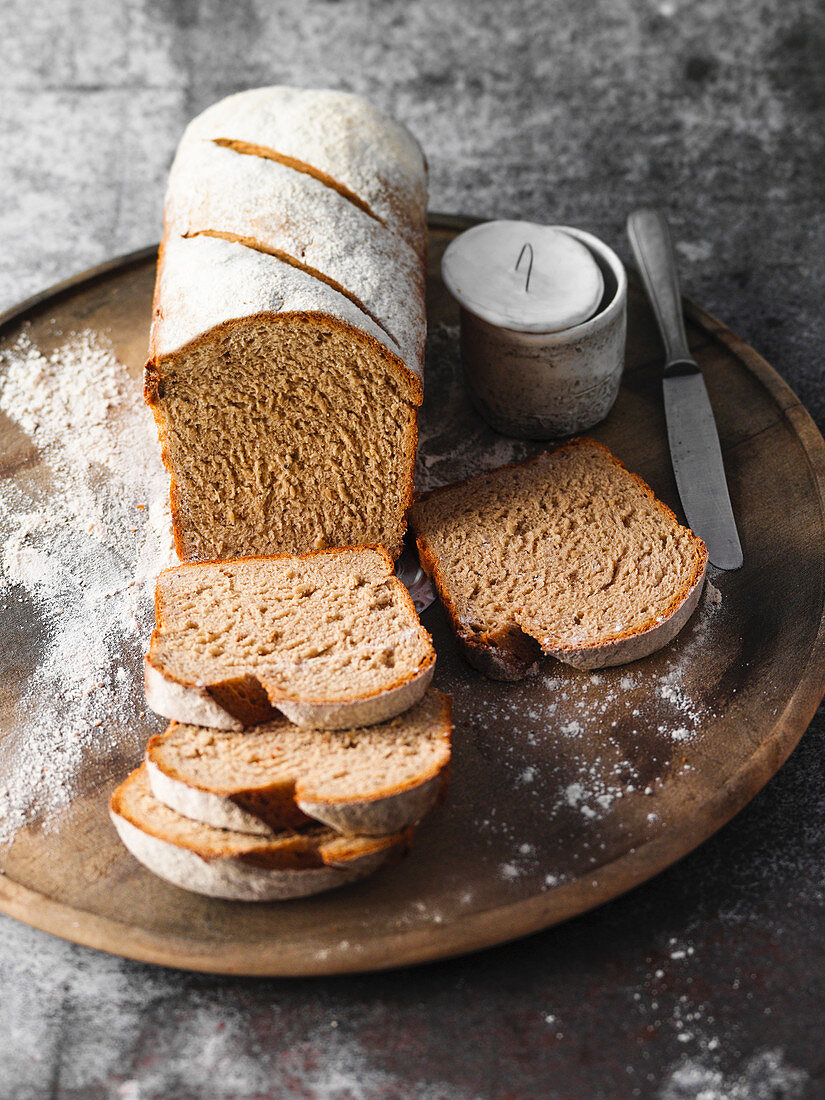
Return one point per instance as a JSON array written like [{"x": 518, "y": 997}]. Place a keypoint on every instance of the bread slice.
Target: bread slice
[
  {"x": 567, "y": 553},
  {"x": 330, "y": 639},
  {"x": 371, "y": 781},
  {"x": 226, "y": 864},
  {"x": 287, "y": 342}
]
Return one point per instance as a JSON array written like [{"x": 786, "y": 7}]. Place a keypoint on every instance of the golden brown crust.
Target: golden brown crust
[
  {"x": 507, "y": 654},
  {"x": 305, "y": 793},
  {"x": 314, "y": 847},
  {"x": 279, "y": 803},
  {"x": 409, "y": 486},
  {"x": 296, "y": 851}
]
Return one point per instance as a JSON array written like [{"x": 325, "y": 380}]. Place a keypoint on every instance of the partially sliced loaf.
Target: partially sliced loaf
[
  {"x": 226, "y": 864},
  {"x": 371, "y": 781},
  {"x": 286, "y": 351},
  {"x": 567, "y": 553},
  {"x": 330, "y": 639}
]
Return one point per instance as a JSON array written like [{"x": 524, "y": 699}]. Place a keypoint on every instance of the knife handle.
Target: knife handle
[{"x": 652, "y": 246}]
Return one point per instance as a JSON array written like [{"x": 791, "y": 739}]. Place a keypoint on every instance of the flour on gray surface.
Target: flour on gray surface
[
  {"x": 765, "y": 1076},
  {"x": 85, "y": 529},
  {"x": 672, "y": 1001}
]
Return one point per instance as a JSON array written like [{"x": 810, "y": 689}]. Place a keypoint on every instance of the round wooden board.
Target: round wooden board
[{"x": 569, "y": 788}]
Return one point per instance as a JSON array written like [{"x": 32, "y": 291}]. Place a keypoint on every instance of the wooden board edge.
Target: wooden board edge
[
  {"x": 781, "y": 393},
  {"x": 59, "y": 290},
  {"x": 478, "y": 932}
]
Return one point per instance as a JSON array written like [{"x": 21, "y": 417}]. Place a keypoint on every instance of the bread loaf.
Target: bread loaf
[
  {"x": 288, "y": 330},
  {"x": 567, "y": 553}
]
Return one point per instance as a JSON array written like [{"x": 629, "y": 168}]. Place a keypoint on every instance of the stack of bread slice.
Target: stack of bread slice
[{"x": 305, "y": 742}]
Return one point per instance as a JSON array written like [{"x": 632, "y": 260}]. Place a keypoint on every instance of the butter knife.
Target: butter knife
[{"x": 691, "y": 428}]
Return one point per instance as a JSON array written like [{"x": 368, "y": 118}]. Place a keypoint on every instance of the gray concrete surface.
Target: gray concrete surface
[{"x": 708, "y": 982}]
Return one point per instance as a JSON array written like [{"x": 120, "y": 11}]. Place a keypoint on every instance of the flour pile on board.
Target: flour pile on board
[{"x": 85, "y": 529}]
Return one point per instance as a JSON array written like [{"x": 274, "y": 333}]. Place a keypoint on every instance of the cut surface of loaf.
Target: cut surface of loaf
[
  {"x": 227, "y": 864},
  {"x": 330, "y": 639},
  {"x": 567, "y": 553},
  {"x": 370, "y": 781},
  {"x": 288, "y": 328}
]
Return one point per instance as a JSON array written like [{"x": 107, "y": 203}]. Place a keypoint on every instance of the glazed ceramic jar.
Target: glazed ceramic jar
[{"x": 534, "y": 378}]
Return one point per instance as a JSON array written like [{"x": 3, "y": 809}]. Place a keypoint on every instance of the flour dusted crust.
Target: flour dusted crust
[
  {"x": 215, "y": 190},
  {"x": 205, "y": 283},
  {"x": 514, "y": 650},
  {"x": 342, "y": 136},
  {"x": 377, "y": 257},
  {"x": 225, "y": 864}
]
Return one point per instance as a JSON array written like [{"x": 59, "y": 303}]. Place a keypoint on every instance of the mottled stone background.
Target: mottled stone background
[{"x": 708, "y": 982}]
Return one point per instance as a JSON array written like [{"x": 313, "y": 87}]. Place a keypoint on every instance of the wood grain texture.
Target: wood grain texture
[{"x": 503, "y": 856}]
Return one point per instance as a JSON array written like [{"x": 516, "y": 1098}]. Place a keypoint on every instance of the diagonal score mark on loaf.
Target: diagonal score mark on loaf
[
  {"x": 248, "y": 148},
  {"x": 293, "y": 261}
]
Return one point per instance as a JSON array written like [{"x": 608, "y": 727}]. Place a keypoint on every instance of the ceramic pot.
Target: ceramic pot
[{"x": 547, "y": 385}]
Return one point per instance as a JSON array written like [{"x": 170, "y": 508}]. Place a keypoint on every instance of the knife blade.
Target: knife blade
[
  {"x": 408, "y": 570},
  {"x": 691, "y": 427}
]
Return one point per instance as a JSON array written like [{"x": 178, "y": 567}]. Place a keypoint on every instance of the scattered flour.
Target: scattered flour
[
  {"x": 569, "y": 742},
  {"x": 670, "y": 1002},
  {"x": 86, "y": 529},
  {"x": 454, "y": 443},
  {"x": 764, "y": 1076}
]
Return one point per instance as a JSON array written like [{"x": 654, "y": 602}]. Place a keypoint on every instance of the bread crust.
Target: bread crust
[
  {"x": 223, "y": 705},
  {"x": 337, "y": 135},
  {"x": 379, "y": 816},
  {"x": 376, "y": 812},
  {"x": 302, "y": 865},
  {"x": 264, "y": 204},
  {"x": 514, "y": 653},
  {"x": 634, "y": 645}
]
